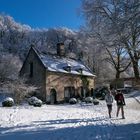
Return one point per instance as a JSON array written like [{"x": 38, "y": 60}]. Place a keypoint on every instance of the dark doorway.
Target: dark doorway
[
  {"x": 53, "y": 98},
  {"x": 69, "y": 92}
]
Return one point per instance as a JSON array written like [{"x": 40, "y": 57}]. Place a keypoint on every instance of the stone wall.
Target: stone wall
[
  {"x": 58, "y": 81},
  {"x": 39, "y": 73}
]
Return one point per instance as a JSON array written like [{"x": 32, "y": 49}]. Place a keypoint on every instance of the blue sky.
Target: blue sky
[{"x": 44, "y": 13}]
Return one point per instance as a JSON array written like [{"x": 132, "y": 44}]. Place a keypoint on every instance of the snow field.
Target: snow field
[{"x": 70, "y": 122}]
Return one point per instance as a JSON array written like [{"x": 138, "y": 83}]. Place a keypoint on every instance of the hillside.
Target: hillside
[{"x": 16, "y": 38}]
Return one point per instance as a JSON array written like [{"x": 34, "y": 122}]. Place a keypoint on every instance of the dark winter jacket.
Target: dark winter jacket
[{"x": 120, "y": 99}]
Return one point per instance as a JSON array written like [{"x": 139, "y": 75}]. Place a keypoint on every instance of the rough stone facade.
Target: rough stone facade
[
  {"x": 38, "y": 78},
  {"x": 60, "y": 81}
]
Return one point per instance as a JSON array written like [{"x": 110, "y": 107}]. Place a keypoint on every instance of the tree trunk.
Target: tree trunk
[
  {"x": 118, "y": 74},
  {"x": 136, "y": 68}
]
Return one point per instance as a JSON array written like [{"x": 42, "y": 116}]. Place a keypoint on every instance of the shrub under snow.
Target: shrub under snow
[
  {"x": 73, "y": 101},
  {"x": 35, "y": 101},
  {"x": 88, "y": 99},
  {"x": 8, "y": 102},
  {"x": 95, "y": 102}
]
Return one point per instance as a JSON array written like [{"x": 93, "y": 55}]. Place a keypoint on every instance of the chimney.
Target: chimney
[{"x": 60, "y": 49}]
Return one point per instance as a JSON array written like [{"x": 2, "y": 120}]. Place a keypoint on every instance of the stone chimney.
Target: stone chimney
[{"x": 60, "y": 49}]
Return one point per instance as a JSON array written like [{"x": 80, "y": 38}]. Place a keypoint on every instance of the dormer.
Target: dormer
[
  {"x": 67, "y": 68},
  {"x": 80, "y": 70}
]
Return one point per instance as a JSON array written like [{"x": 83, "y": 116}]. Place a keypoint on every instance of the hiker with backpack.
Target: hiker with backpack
[{"x": 120, "y": 103}]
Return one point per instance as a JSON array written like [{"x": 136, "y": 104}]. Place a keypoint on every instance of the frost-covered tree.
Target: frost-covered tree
[
  {"x": 9, "y": 67},
  {"x": 94, "y": 55},
  {"x": 118, "y": 58},
  {"x": 16, "y": 38},
  {"x": 116, "y": 21},
  {"x": 9, "y": 77}
]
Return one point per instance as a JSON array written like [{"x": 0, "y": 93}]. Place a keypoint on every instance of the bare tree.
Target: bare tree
[
  {"x": 18, "y": 89},
  {"x": 116, "y": 20},
  {"x": 117, "y": 57},
  {"x": 9, "y": 79},
  {"x": 9, "y": 67}
]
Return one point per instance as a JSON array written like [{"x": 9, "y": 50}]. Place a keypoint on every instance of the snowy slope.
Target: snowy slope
[{"x": 70, "y": 122}]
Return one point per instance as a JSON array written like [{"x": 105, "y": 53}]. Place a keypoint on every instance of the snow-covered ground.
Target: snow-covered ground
[{"x": 71, "y": 122}]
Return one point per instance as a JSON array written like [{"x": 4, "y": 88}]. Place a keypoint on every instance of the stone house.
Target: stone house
[{"x": 57, "y": 77}]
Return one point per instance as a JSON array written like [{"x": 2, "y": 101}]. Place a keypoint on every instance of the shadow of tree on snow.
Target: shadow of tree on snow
[{"x": 45, "y": 130}]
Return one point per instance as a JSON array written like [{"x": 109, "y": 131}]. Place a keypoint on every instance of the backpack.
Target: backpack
[{"x": 120, "y": 100}]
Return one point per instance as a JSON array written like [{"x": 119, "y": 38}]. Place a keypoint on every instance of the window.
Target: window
[
  {"x": 69, "y": 92},
  {"x": 31, "y": 69}
]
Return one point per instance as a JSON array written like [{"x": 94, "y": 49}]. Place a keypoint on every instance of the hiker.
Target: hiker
[
  {"x": 120, "y": 103},
  {"x": 109, "y": 101}
]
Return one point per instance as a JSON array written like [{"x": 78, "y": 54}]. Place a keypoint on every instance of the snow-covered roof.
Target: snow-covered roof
[{"x": 56, "y": 63}]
